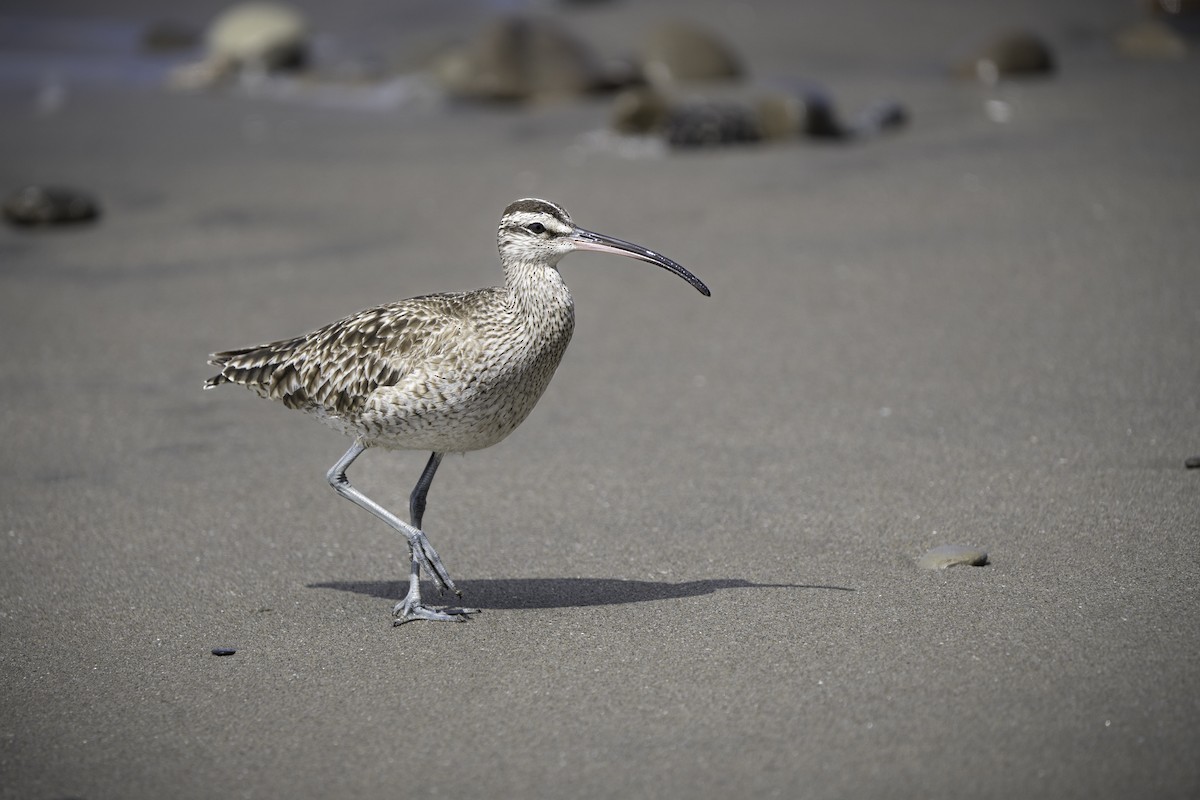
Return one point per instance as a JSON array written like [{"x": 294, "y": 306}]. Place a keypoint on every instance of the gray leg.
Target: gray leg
[
  {"x": 423, "y": 554},
  {"x": 416, "y": 501}
]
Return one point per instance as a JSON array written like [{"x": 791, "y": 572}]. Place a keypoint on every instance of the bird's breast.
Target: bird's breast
[{"x": 474, "y": 394}]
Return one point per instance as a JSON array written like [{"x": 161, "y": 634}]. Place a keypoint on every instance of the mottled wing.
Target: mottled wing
[{"x": 336, "y": 367}]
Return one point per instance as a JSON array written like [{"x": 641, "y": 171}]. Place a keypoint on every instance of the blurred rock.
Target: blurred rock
[
  {"x": 680, "y": 52},
  {"x": 1169, "y": 30},
  {"x": 806, "y": 113},
  {"x": 50, "y": 205},
  {"x": 1172, "y": 8},
  {"x": 744, "y": 116},
  {"x": 518, "y": 58},
  {"x": 272, "y": 36},
  {"x": 1016, "y": 54},
  {"x": 250, "y": 37},
  {"x": 640, "y": 110},
  {"x": 705, "y": 123},
  {"x": 1152, "y": 39}
]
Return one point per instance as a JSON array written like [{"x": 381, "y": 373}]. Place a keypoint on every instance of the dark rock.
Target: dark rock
[
  {"x": 703, "y": 124},
  {"x": 744, "y": 116},
  {"x": 50, "y": 205}
]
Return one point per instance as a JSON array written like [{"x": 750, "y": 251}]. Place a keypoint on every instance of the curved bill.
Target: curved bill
[{"x": 586, "y": 240}]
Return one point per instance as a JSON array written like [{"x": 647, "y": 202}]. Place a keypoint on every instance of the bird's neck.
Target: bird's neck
[{"x": 537, "y": 290}]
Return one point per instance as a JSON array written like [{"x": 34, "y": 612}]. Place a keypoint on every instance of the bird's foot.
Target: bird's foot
[
  {"x": 428, "y": 558},
  {"x": 409, "y": 609}
]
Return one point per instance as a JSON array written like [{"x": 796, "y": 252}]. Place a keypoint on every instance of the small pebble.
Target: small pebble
[
  {"x": 953, "y": 555},
  {"x": 1192, "y": 463},
  {"x": 223, "y": 651}
]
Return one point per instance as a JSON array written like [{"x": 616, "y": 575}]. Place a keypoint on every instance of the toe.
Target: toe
[{"x": 405, "y": 614}]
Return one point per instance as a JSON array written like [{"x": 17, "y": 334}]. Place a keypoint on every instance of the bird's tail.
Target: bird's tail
[
  {"x": 219, "y": 360},
  {"x": 253, "y": 367}
]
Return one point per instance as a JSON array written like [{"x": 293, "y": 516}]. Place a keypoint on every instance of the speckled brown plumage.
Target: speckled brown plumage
[{"x": 447, "y": 372}]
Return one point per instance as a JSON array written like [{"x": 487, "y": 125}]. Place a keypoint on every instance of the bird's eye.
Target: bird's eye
[{"x": 537, "y": 227}]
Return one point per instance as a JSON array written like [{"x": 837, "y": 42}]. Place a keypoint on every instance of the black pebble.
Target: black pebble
[
  {"x": 223, "y": 651},
  {"x": 1192, "y": 463}
]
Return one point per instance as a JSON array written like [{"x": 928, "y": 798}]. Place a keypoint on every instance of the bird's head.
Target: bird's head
[{"x": 539, "y": 232}]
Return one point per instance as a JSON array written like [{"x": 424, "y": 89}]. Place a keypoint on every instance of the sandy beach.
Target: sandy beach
[{"x": 698, "y": 558}]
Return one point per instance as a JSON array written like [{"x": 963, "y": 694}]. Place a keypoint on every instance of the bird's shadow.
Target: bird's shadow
[{"x": 517, "y": 593}]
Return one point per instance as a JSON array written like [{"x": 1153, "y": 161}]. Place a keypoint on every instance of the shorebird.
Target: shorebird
[{"x": 447, "y": 373}]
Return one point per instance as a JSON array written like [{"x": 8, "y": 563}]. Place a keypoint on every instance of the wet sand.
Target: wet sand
[{"x": 698, "y": 557}]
